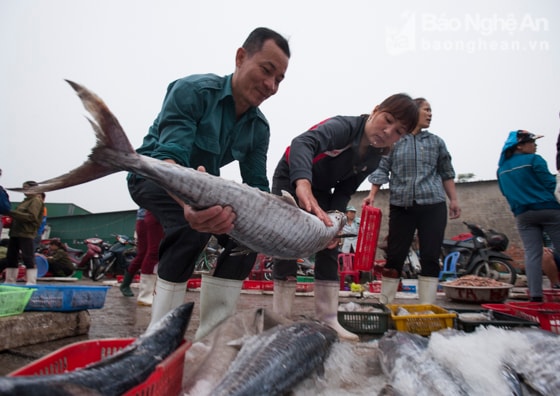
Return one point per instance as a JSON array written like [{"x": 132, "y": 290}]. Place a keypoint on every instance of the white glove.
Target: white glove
[{"x": 557, "y": 190}]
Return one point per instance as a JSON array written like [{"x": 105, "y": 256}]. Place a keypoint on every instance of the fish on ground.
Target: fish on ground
[
  {"x": 264, "y": 223},
  {"x": 208, "y": 359},
  {"x": 351, "y": 369},
  {"x": 115, "y": 374},
  {"x": 498, "y": 361},
  {"x": 273, "y": 362},
  {"x": 410, "y": 369}
]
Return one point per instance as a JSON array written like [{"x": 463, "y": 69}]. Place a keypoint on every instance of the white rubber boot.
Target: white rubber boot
[
  {"x": 167, "y": 296},
  {"x": 147, "y": 286},
  {"x": 218, "y": 300},
  {"x": 11, "y": 275},
  {"x": 326, "y": 307},
  {"x": 427, "y": 289},
  {"x": 389, "y": 287},
  {"x": 31, "y": 276},
  {"x": 283, "y": 297}
]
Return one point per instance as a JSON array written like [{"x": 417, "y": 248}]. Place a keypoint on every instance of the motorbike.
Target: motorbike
[
  {"x": 411, "y": 268},
  {"x": 84, "y": 261},
  {"x": 115, "y": 258},
  {"x": 207, "y": 260},
  {"x": 481, "y": 254},
  {"x": 305, "y": 267}
]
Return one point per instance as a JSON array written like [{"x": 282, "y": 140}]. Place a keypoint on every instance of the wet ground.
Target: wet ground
[{"x": 121, "y": 317}]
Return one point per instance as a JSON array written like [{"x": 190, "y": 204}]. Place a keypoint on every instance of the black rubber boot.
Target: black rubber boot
[{"x": 125, "y": 285}]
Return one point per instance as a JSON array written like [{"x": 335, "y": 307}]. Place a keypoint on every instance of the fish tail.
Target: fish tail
[
  {"x": 109, "y": 137},
  {"x": 107, "y": 128}
]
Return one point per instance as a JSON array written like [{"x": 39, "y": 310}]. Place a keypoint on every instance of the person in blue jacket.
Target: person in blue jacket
[{"x": 528, "y": 185}]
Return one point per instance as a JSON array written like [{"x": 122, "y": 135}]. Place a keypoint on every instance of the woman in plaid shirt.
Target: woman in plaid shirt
[{"x": 420, "y": 176}]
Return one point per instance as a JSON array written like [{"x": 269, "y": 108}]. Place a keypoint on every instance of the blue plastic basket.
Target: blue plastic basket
[
  {"x": 42, "y": 265},
  {"x": 66, "y": 298}
]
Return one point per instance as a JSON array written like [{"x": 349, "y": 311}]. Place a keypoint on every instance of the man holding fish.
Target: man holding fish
[{"x": 206, "y": 122}]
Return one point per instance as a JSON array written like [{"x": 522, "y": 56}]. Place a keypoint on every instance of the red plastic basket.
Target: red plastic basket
[
  {"x": 252, "y": 285},
  {"x": 194, "y": 283},
  {"x": 368, "y": 234},
  {"x": 166, "y": 380},
  {"x": 502, "y": 308},
  {"x": 551, "y": 295},
  {"x": 546, "y": 314}
]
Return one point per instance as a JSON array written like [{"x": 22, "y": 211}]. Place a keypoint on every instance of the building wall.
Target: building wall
[
  {"x": 481, "y": 203},
  {"x": 74, "y": 229}
]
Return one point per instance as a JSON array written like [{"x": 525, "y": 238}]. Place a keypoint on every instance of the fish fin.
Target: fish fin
[
  {"x": 239, "y": 342},
  {"x": 86, "y": 172},
  {"x": 288, "y": 198},
  {"x": 240, "y": 251},
  {"x": 512, "y": 380},
  {"x": 108, "y": 131},
  {"x": 109, "y": 135}
]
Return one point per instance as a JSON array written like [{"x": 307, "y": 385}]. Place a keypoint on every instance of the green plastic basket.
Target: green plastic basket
[{"x": 13, "y": 299}]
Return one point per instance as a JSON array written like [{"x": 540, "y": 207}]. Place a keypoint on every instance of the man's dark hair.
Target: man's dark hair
[{"x": 256, "y": 39}]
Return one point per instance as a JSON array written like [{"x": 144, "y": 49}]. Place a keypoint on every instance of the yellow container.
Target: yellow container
[{"x": 423, "y": 318}]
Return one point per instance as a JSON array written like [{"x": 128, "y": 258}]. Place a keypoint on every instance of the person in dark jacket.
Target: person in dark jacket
[
  {"x": 322, "y": 168},
  {"x": 26, "y": 221},
  {"x": 528, "y": 185},
  {"x": 206, "y": 122},
  {"x": 59, "y": 262}
]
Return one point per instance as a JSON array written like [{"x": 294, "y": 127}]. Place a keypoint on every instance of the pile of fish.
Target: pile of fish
[
  {"x": 274, "y": 361},
  {"x": 256, "y": 353},
  {"x": 264, "y": 222},
  {"x": 488, "y": 361},
  {"x": 115, "y": 374}
]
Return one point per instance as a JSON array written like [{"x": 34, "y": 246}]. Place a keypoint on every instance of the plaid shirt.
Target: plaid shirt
[{"x": 415, "y": 170}]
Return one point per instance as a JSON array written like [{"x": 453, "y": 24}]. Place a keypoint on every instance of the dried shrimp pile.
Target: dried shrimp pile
[{"x": 475, "y": 281}]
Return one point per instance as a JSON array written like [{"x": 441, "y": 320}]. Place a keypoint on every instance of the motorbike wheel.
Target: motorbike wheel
[
  {"x": 497, "y": 269},
  {"x": 101, "y": 267}
]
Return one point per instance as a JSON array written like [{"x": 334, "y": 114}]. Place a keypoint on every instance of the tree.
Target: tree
[{"x": 464, "y": 177}]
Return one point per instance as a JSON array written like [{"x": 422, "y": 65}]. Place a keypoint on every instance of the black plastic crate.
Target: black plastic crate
[
  {"x": 366, "y": 322},
  {"x": 495, "y": 318}
]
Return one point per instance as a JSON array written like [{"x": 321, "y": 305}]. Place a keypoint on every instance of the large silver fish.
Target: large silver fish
[
  {"x": 266, "y": 223},
  {"x": 116, "y": 374},
  {"x": 273, "y": 362}
]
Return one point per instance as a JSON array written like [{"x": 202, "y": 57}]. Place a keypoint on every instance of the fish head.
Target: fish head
[{"x": 338, "y": 219}]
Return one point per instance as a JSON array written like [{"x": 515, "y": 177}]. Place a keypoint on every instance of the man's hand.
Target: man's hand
[{"x": 215, "y": 220}]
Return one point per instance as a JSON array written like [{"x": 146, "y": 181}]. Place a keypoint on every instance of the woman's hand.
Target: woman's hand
[{"x": 308, "y": 202}]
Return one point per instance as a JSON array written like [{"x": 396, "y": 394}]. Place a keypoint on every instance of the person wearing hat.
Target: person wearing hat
[
  {"x": 352, "y": 226},
  {"x": 528, "y": 185}
]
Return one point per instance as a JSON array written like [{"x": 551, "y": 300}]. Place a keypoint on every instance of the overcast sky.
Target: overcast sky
[{"x": 487, "y": 67}]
